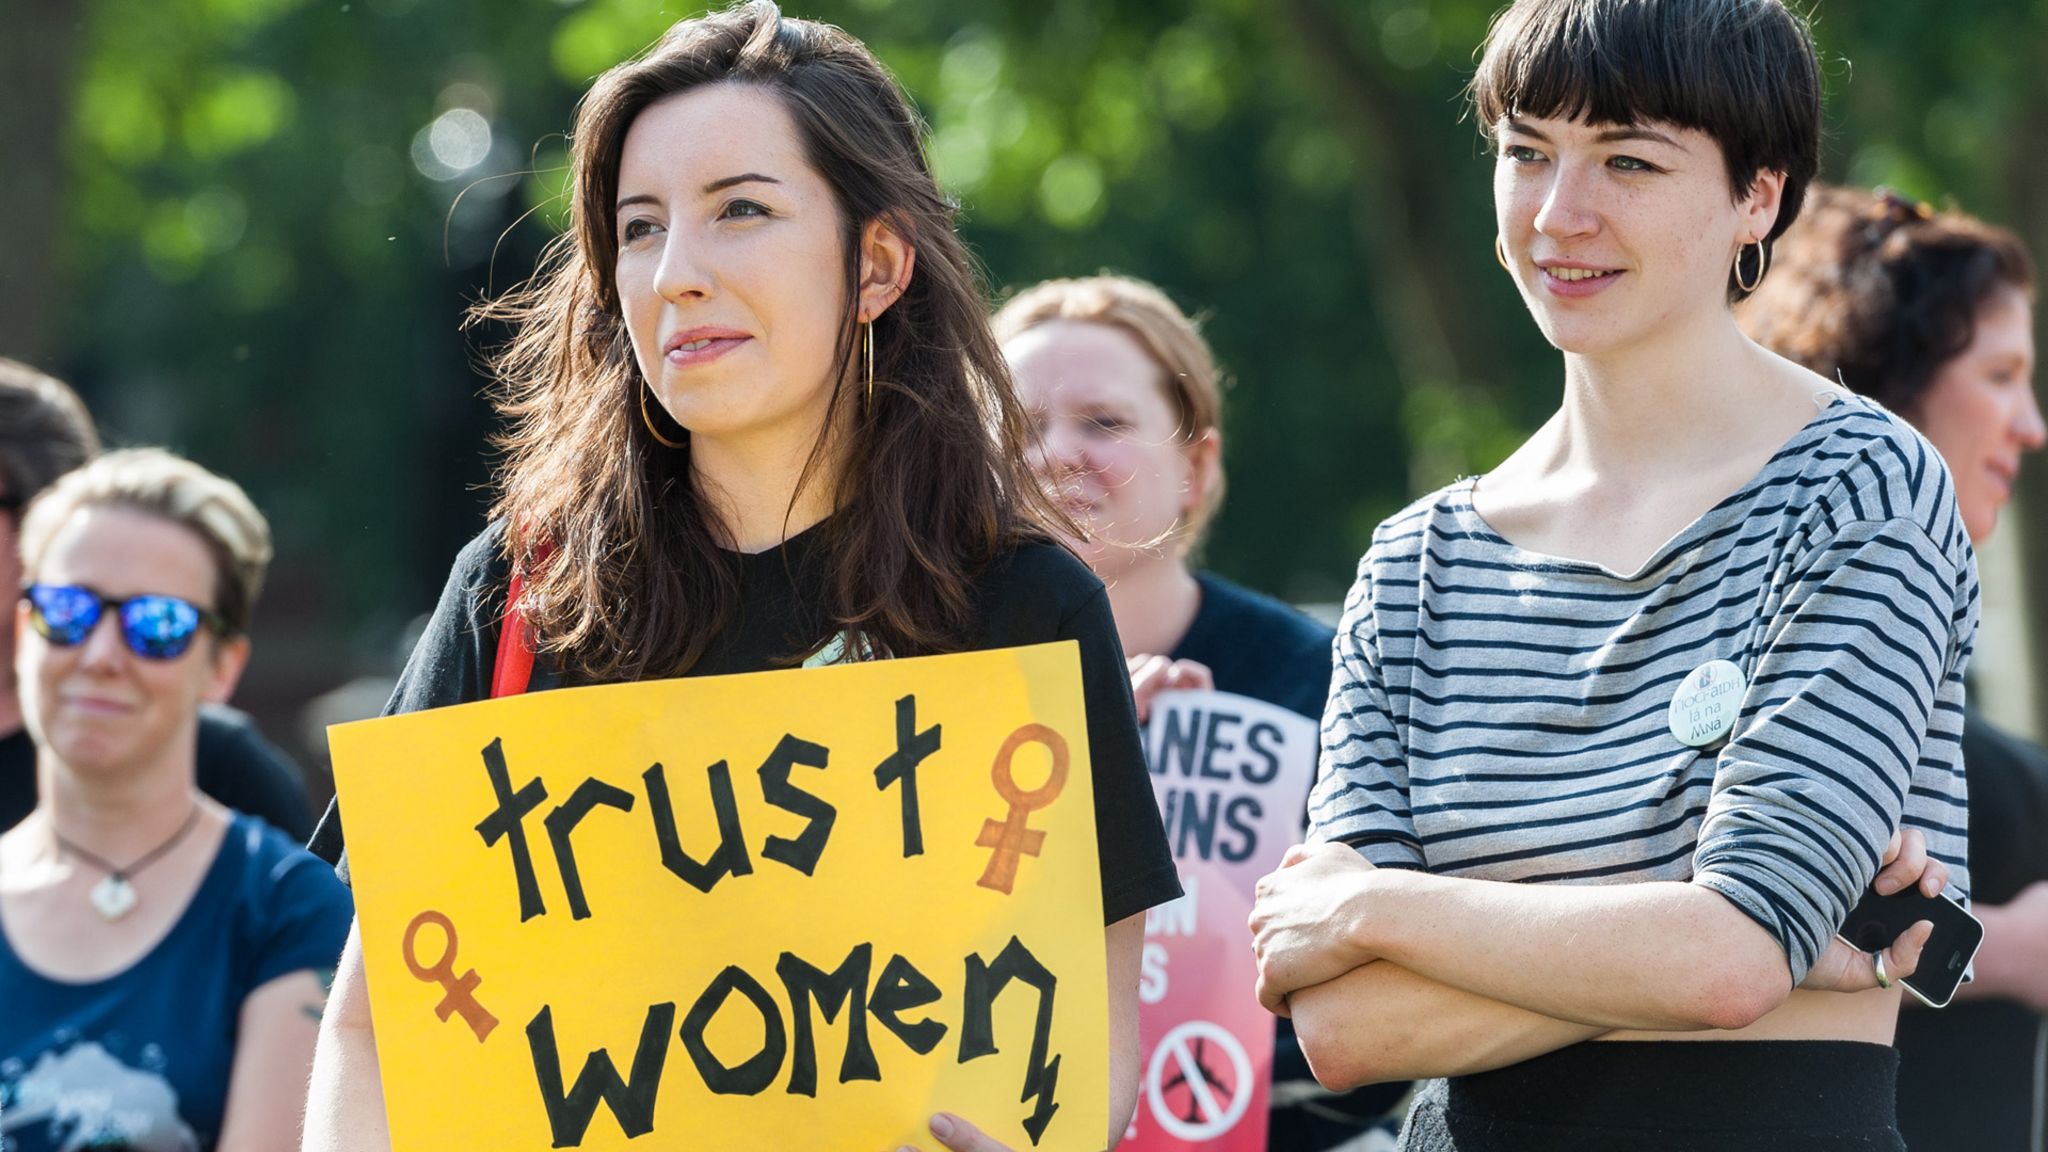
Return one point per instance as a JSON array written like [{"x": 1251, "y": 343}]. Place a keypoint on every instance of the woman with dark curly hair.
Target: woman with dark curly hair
[
  {"x": 758, "y": 420},
  {"x": 1931, "y": 313}
]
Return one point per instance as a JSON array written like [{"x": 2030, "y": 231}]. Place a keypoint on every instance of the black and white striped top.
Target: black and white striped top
[{"x": 1501, "y": 714}]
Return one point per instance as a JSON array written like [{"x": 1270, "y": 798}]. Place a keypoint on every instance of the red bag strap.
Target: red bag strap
[{"x": 512, "y": 671}]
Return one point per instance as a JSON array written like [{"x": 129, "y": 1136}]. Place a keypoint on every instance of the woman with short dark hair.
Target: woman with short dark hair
[
  {"x": 44, "y": 433},
  {"x": 1623, "y": 728},
  {"x": 758, "y": 421},
  {"x": 1931, "y": 314}
]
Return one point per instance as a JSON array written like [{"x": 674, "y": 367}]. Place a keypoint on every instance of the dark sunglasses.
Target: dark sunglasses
[{"x": 155, "y": 627}]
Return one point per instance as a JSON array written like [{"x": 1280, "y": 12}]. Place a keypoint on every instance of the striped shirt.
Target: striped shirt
[{"x": 1501, "y": 714}]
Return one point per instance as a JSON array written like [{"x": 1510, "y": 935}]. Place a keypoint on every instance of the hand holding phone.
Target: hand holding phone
[{"x": 1877, "y": 920}]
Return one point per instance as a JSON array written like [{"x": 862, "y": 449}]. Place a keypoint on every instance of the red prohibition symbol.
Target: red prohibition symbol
[
  {"x": 1013, "y": 836},
  {"x": 461, "y": 990}
]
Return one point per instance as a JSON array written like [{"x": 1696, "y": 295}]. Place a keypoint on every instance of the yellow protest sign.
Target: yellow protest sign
[{"x": 794, "y": 909}]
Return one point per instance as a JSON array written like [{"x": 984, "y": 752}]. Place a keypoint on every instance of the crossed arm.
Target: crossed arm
[
  {"x": 1382, "y": 1022},
  {"x": 1391, "y": 973},
  {"x": 1457, "y": 976}
]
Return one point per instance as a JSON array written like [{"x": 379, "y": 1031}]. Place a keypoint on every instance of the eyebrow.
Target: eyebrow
[
  {"x": 742, "y": 178},
  {"x": 715, "y": 186},
  {"x": 1615, "y": 135},
  {"x": 1607, "y": 136}
]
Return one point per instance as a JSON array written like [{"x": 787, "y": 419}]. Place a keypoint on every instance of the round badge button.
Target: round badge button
[{"x": 1703, "y": 709}]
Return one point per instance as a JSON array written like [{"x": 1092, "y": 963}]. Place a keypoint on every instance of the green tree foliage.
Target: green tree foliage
[{"x": 278, "y": 208}]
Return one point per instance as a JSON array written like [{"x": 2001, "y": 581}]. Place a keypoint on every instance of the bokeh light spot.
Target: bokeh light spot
[{"x": 1070, "y": 192}]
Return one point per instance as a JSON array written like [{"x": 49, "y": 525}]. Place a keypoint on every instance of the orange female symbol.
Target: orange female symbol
[
  {"x": 461, "y": 990},
  {"x": 1012, "y": 836}
]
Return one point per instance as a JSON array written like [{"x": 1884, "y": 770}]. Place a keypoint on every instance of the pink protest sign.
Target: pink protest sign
[{"x": 1232, "y": 776}]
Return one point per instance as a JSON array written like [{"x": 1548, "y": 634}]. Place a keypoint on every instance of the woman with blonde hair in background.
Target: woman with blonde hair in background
[
  {"x": 164, "y": 960},
  {"x": 45, "y": 432},
  {"x": 1126, "y": 402}
]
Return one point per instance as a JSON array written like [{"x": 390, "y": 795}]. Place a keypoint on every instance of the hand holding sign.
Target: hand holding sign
[
  {"x": 1151, "y": 675},
  {"x": 959, "y": 1136}
]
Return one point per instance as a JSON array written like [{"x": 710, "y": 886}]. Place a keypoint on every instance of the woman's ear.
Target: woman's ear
[
  {"x": 1205, "y": 468},
  {"x": 1759, "y": 210},
  {"x": 886, "y": 263},
  {"x": 230, "y": 657}
]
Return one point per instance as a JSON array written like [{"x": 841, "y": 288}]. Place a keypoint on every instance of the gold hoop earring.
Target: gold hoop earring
[
  {"x": 647, "y": 418},
  {"x": 867, "y": 339},
  {"x": 1763, "y": 265},
  {"x": 1500, "y": 254}
]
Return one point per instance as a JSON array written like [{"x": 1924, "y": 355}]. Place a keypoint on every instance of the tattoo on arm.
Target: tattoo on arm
[{"x": 316, "y": 1009}]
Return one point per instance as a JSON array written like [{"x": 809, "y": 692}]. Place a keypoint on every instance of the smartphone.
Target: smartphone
[{"x": 1877, "y": 920}]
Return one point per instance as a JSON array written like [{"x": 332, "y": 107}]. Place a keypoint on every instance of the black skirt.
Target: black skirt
[{"x": 1669, "y": 1096}]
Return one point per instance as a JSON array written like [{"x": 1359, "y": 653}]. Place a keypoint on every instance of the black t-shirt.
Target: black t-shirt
[
  {"x": 1971, "y": 1076},
  {"x": 237, "y": 766},
  {"x": 2008, "y": 782},
  {"x": 1036, "y": 594},
  {"x": 1258, "y": 647}
]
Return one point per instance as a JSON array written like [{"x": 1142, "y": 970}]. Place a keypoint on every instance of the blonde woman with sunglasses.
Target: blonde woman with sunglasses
[{"x": 163, "y": 959}]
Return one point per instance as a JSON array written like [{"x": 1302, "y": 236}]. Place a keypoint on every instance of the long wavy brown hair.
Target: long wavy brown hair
[{"x": 623, "y": 573}]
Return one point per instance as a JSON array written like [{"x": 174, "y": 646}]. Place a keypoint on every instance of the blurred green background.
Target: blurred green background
[{"x": 247, "y": 229}]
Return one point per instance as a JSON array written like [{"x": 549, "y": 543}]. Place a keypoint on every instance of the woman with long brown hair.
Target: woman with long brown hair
[{"x": 757, "y": 420}]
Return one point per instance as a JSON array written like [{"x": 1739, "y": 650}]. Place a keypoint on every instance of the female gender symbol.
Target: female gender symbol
[
  {"x": 461, "y": 990},
  {"x": 1012, "y": 835}
]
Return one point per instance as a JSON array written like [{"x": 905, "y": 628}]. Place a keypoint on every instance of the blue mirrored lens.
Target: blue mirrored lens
[
  {"x": 64, "y": 613},
  {"x": 159, "y": 627}
]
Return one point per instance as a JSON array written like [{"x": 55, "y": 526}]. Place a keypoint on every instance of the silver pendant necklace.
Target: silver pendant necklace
[{"x": 114, "y": 896}]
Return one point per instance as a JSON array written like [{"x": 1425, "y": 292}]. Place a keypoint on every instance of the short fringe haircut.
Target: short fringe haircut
[{"x": 1742, "y": 71}]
